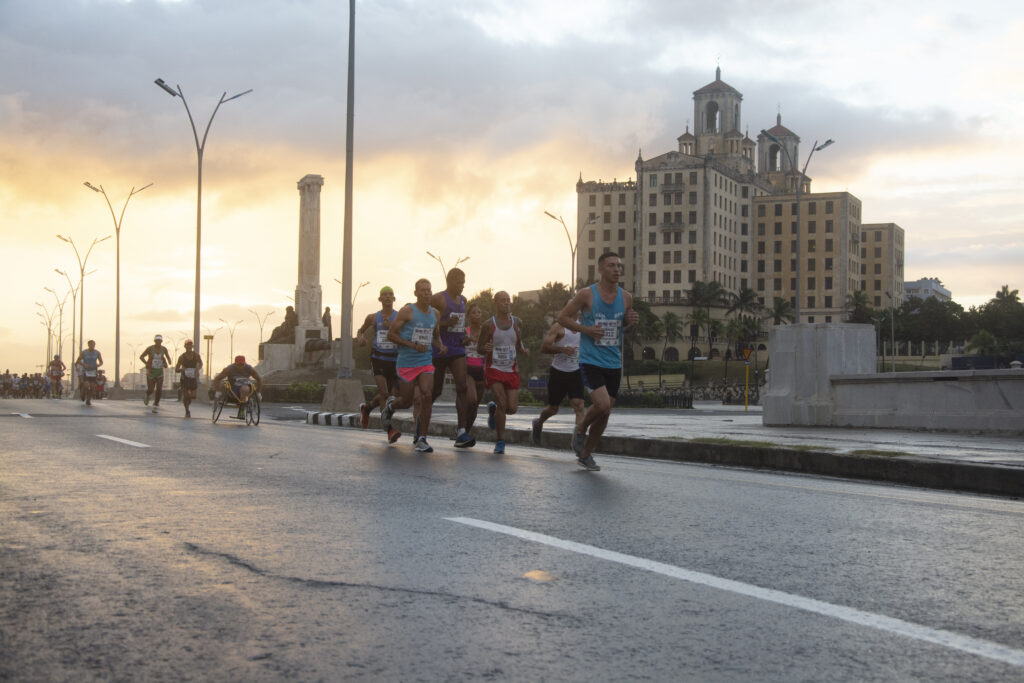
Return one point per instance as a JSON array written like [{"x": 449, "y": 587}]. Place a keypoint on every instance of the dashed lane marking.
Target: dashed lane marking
[
  {"x": 955, "y": 641},
  {"x": 124, "y": 441},
  {"x": 24, "y": 415}
]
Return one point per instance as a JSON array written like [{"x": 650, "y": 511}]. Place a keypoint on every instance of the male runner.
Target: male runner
[
  {"x": 189, "y": 364},
  {"x": 56, "y": 371},
  {"x": 156, "y": 359},
  {"x": 235, "y": 376},
  {"x": 413, "y": 330},
  {"x": 604, "y": 310},
  {"x": 452, "y": 305},
  {"x": 90, "y": 359},
  {"x": 564, "y": 379},
  {"x": 383, "y": 353},
  {"x": 504, "y": 333}
]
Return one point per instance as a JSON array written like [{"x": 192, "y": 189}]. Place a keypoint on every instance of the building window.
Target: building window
[
  {"x": 677, "y": 276},
  {"x": 760, "y": 265},
  {"x": 677, "y": 256},
  {"x": 606, "y": 235},
  {"x": 810, "y": 245},
  {"x": 652, "y": 277},
  {"x": 692, "y": 276},
  {"x": 607, "y": 200},
  {"x": 828, "y": 207},
  {"x": 760, "y": 247},
  {"x": 878, "y": 302},
  {"x": 828, "y": 263},
  {"x": 811, "y": 263},
  {"x": 777, "y": 282},
  {"x": 828, "y": 282},
  {"x": 812, "y": 208},
  {"x": 778, "y": 209},
  {"x": 760, "y": 211},
  {"x": 812, "y": 226},
  {"x": 778, "y": 247},
  {"x": 652, "y": 219},
  {"x": 811, "y": 282},
  {"x": 778, "y": 227},
  {"x": 652, "y": 238},
  {"x": 693, "y": 237},
  {"x": 828, "y": 225},
  {"x": 592, "y": 235},
  {"x": 654, "y": 180},
  {"x": 593, "y": 200},
  {"x": 810, "y": 303},
  {"x": 652, "y": 200},
  {"x": 693, "y": 256},
  {"x": 622, "y": 216},
  {"x": 591, "y": 253},
  {"x": 666, "y": 257},
  {"x": 693, "y": 218},
  {"x": 878, "y": 269},
  {"x": 828, "y": 304},
  {"x": 878, "y": 285},
  {"x": 828, "y": 245},
  {"x": 607, "y": 216},
  {"x": 760, "y": 284},
  {"x": 777, "y": 265},
  {"x": 666, "y": 276},
  {"x": 652, "y": 257}
]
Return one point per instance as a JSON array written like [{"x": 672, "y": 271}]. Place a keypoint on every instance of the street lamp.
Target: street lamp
[
  {"x": 260, "y": 321},
  {"x": 81, "y": 284},
  {"x": 60, "y": 319},
  {"x": 231, "y": 333},
  {"x": 74, "y": 297},
  {"x": 799, "y": 190},
  {"x": 573, "y": 246},
  {"x": 117, "y": 287},
  {"x": 892, "y": 333},
  {"x": 200, "y": 147},
  {"x": 444, "y": 270},
  {"x": 210, "y": 334}
]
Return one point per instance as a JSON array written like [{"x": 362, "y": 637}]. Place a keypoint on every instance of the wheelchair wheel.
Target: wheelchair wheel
[
  {"x": 252, "y": 410},
  {"x": 218, "y": 405}
]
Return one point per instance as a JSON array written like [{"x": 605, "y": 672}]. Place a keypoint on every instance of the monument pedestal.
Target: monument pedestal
[{"x": 342, "y": 396}]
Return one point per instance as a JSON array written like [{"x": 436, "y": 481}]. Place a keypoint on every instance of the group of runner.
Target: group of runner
[
  {"x": 51, "y": 385},
  {"x": 412, "y": 349}
]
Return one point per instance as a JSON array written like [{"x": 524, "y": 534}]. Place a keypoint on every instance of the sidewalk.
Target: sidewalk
[{"x": 728, "y": 435}]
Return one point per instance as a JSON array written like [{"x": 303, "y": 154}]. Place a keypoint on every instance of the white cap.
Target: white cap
[{"x": 158, "y": 338}]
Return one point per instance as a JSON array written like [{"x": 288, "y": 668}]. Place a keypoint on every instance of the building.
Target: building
[
  {"x": 725, "y": 208},
  {"x": 881, "y": 251},
  {"x": 927, "y": 288}
]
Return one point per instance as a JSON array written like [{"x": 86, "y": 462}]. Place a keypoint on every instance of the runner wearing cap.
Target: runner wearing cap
[
  {"x": 235, "y": 375},
  {"x": 383, "y": 353},
  {"x": 156, "y": 359},
  {"x": 189, "y": 364}
]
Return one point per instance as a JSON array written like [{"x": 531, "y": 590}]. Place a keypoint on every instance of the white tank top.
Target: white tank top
[
  {"x": 503, "y": 357},
  {"x": 568, "y": 362}
]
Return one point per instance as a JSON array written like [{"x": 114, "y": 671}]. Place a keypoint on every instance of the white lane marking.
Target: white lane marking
[
  {"x": 124, "y": 441},
  {"x": 975, "y": 646},
  {"x": 25, "y": 415}
]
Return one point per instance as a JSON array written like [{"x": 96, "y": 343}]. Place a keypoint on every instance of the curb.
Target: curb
[{"x": 907, "y": 470}]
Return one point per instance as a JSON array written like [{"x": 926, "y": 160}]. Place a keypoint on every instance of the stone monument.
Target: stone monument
[{"x": 308, "y": 296}]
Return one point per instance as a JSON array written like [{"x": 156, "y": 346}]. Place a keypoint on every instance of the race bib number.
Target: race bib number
[
  {"x": 422, "y": 335},
  {"x": 503, "y": 354},
  {"x": 609, "y": 333},
  {"x": 471, "y": 350},
  {"x": 460, "y": 322},
  {"x": 574, "y": 353},
  {"x": 189, "y": 372},
  {"x": 157, "y": 362},
  {"x": 90, "y": 373},
  {"x": 383, "y": 343}
]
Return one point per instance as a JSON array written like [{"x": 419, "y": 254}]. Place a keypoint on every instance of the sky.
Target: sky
[{"x": 472, "y": 118}]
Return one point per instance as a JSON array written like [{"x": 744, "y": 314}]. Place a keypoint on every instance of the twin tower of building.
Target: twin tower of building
[{"x": 723, "y": 207}]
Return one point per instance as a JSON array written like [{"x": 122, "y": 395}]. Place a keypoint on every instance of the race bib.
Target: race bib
[
  {"x": 460, "y": 324},
  {"x": 574, "y": 353},
  {"x": 189, "y": 372},
  {"x": 471, "y": 350},
  {"x": 503, "y": 354},
  {"x": 383, "y": 343},
  {"x": 609, "y": 333},
  {"x": 90, "y": 373},
  {"x": 157, "y": 362},
  {"x": 422, "y": 335}
]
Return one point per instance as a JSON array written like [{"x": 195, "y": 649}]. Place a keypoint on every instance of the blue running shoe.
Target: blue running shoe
[
  {"x": 499, "y": 447},
  {"x": 464, "y": 440}
]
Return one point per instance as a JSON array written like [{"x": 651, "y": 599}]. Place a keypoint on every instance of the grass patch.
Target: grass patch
[
  {"x": 872, "y": 451},
  {"x": 722, "y": 441}
]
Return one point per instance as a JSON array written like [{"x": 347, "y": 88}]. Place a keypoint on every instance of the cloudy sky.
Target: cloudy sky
[{"x": 473, "y": 117}]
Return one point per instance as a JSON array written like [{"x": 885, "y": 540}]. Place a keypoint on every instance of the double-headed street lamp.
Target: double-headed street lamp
[
  {"x": 117, "y": 280},
  {"x": 81, "y": 284},
  {"x": 200, "y": 146},
  {"x": 260, "y": 321},
  {"x": 799, "y": 190},
  {"x": 444, "y": 270},
  {"x": 231, "y": 333},
  {"x": 74, "y": 313},
  {"x": 60, "y": 318}
]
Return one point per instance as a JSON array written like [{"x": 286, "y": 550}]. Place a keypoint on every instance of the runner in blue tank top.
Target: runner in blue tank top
[
  {"x": 452, "y": 305},
  {"x": 414, "y": 330},
  {"x": 383, "y": 353},
  {"x": 604, "y": 310}
]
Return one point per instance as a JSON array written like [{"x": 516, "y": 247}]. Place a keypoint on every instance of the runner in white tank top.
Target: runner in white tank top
[
  {"x": 503, "y": 335},
  {"x": 564, "y": 379}
]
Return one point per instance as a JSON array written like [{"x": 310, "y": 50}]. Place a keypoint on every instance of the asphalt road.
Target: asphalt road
[{"x": 226, "y": 552}]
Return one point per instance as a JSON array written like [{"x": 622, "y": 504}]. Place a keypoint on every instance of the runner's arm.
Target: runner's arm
[
  {"x": 567, "y": 318},
  {"x": 395, "y": 330},
  {"x": 437, "y": 333},
  {"x": 554, "y": 334}
]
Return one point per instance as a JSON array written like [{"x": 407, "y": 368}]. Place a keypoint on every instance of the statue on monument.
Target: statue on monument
[
  {"x": 285, "y": 332},
  {"x": 326, "y": 320}
]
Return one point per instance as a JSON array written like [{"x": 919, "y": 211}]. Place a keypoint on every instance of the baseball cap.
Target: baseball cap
[
  {"x": 158, "y": 337},
  {"x": 239, "y": 359},
  {"x": 188, "y": 342},
  {"x": 386, "y": 290}
]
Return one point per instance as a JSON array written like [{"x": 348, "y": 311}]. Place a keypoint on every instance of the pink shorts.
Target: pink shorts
[
  {"x": 509, "y": 379},
  {"x": 410, "y": 374}
]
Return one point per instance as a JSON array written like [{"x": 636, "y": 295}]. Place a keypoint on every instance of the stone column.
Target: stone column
[{"x": 308, "y": 296}]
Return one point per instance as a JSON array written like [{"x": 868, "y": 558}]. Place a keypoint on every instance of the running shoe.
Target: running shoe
[
  {"x": 88, "y": 402},
  {"x": 155, "y": 409},
  {"x": 588, "y": 463},
  {"x": 188, "y": 413},
  {"x": 491, "y": 407},
  {"x": 499, "y": 447},
  {"x": 578, "y": 441},
  {"x": 394, "y": 435},
  {"x": 464, "y": 440},
  {"x": 386, "y": 415},
  {"x": 535, "y": 428},
  {"x": 145, "y": 401},
  {"x": 364, "y": 415},
  {"x": 422, "y": 446}
]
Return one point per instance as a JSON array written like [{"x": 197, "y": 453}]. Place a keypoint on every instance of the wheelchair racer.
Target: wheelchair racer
[{"x": 235, "y": 378}]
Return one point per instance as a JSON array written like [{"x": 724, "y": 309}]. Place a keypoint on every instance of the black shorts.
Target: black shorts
[
  {"x": 189, "y": 383},
  {"x": 385, "y": 369},
  {"x": 476, "y": 372},
  {"x": 562, "y": 384},
  {"x": 596, "y": 377}
]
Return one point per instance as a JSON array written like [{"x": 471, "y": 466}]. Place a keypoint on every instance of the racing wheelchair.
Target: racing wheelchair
[{"x": 227, "y": 397}]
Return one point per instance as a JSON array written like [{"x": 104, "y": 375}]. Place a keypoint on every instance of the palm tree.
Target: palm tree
[
  {"x": 735, "y": 330},
  {"x": 706, "y": 295},
  {"x": 1007, "y": 295},
  {"x": 983, "y": 342},
  {"x": 781, "y": 311},
  {"x": 857, "y": 308},
  {"x": 647, "y": 330},
  {"x": 744, "y": 302},
  {"x": 672, "y": 331},
  {"x": 697, "y": 319}
]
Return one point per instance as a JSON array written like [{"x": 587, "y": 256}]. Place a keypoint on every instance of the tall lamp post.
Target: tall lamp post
[
  {"x": 74, "y": 297},
  {"x": 81, "y": 285},
  {"x": 892, "y": 332},
  {"x": 60, "y": 319},
  {"x": 799, "y": 190},
  {"x": 444, "y": 270},
  {"x": 117, "y": 280},
  {"x": 260, "y": 321},
  {"x": 200, "y": 147},
  {"x": 231, "y": 334}
]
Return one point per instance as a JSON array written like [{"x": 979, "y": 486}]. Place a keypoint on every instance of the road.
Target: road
[{"x": 186, "y": 550}]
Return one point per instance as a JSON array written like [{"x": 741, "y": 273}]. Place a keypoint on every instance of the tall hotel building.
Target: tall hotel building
[{"x": 722, "y": 207}]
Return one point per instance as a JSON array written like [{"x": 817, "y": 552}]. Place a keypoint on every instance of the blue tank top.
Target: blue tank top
[
  {"x": 421, "y": 330},
  {"x": 382, "y": 348},
  {"x": 452, "y": 336},
  {"x": 606, "y": 352},
  {"x": 89, "y": 359}
]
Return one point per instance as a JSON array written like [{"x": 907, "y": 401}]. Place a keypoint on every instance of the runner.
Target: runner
[
  {"x": 383, "y": 353},
  {"x": 564, "y": 379},
  {"x": 189, "y": 364},
  {"x": 604, "y": 310},
  {"x": 154, "y": 357},
  {"x": 90, "y": 359},
  {"x": 474, "y": 363},
  {"x": 452, "y": 305},
  {"x": 57, "y": 369},
  {"x": 413, "y": 330},
  {"x": 503, "y": 334}
]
